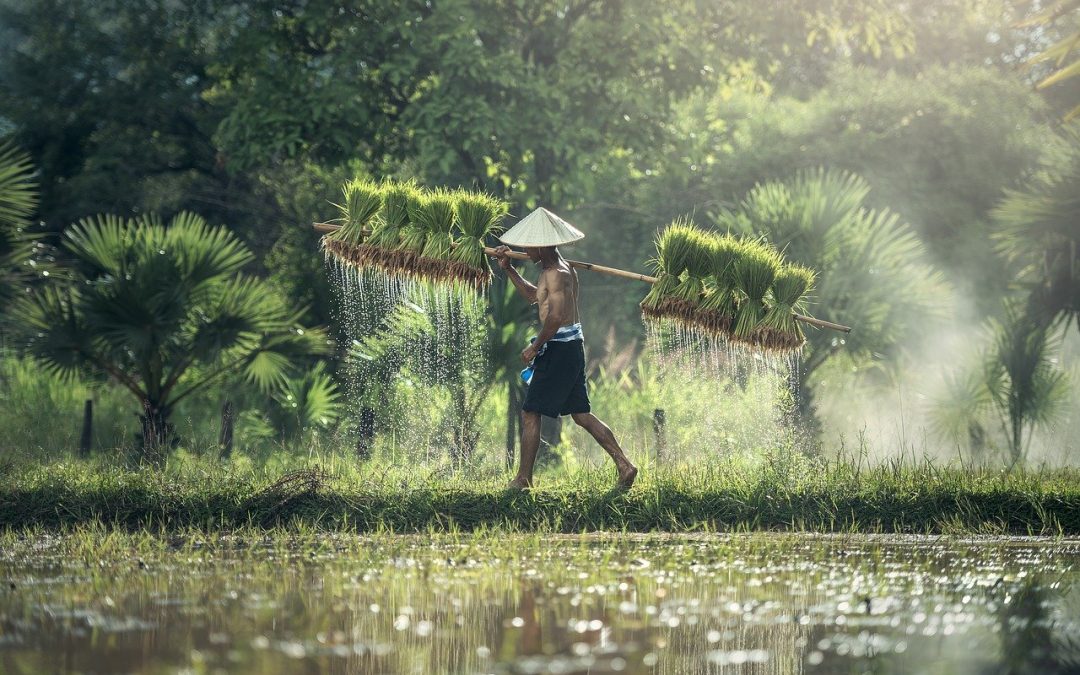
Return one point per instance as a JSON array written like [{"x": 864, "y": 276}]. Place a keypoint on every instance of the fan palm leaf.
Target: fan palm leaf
[
  {"x": 1037, "y": 231},
  {"x": 18, "y": 199}
]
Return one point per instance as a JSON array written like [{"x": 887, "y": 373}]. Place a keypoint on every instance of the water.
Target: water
[
  {"x": 518, "y": 604},
  {"x": 417, "y": 359},
  {"x": 736, "y": 398}
]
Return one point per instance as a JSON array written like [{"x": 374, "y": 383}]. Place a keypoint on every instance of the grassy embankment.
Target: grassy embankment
[{"x": 780, "y": 493}]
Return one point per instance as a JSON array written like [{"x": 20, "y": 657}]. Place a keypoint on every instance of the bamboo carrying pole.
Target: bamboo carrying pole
[{"x": 610, "y": 271}]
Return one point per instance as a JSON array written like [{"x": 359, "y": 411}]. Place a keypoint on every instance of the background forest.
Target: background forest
[{"x": 162, "y": 162}]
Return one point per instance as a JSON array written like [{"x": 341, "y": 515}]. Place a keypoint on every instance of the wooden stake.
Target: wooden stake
[
  {"x": 87, "y": 436},
  {"x": 610, "y": 271}
]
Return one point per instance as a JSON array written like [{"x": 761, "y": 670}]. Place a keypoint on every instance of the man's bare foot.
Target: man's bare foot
[
  {"x": 627, "y": 475},
  {"x": 519, "y": 484}
]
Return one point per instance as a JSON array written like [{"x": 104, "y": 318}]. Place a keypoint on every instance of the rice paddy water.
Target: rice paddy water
[{"x": 764, "y": 603}]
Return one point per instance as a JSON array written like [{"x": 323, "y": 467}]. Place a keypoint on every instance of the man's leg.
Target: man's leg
[
  {"x": 530, "y": 444},
  {"x": 602, "y": 433}
]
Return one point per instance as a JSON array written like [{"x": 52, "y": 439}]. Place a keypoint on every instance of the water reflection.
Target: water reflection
[{"x": 716, "y": 604}]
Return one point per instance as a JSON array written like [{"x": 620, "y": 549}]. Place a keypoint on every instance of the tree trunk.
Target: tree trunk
[
  {"x": 156, "y": 431},
  {"x": 365, "y": 432},
  {"x": 461, "y": 442},
  {"x": 1016, "y": 446},
  {"x": 659, "y": 421},
  {"x": 225, "y": 439},
  {"x": 550, "y": 436},
  {"x": 86, "y": 438}
]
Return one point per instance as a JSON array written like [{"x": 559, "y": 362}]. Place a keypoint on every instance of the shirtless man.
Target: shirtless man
[{"x": 558, "y": 359}]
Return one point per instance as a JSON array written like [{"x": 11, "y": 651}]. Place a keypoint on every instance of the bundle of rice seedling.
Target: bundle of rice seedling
[
  {"x": 755, "y": 270},
  {"x": 363, "y": 201},
  {"x": 414, "y": 234},
  {"x": 673, "y": 247},
  {"x": 478, "y": 216},
  {"x": 718, "y": 307},
  {"x": 779, "y": 330},
  {"x": 399, "y": 202},
  {"x": 686, "y": 297},
  {"x": 436, "y": 217}
]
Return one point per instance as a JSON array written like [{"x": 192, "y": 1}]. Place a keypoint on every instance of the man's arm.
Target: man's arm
[{"x": 527, "y": 290}]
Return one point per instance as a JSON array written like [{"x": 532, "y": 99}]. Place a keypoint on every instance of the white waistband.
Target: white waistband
[{"x": 568, "y": 333}]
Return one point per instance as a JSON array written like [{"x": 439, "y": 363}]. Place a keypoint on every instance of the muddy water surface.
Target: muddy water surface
[{"x": 514, "y": 604}]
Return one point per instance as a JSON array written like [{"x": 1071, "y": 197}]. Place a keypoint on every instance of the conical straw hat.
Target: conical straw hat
[{"x": 539, "y": 229}]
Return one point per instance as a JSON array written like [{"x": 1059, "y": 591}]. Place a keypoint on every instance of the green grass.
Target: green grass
[{"x": 788, "y": 492}]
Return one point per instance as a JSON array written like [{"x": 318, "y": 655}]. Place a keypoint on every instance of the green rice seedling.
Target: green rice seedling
[
  {"x": 719, "y": 305},
  {"x": 478, "y": 215},
  {"x": 438, "y": 219},
  {"x": 687, "y": 295},
  {"x": 755, "y": 271},
  {"x": 673, "y": 247},
  {"x": 789, "y": 290},
  {"x": 399, "y": 201},
  {"x": 415, "y": 232},
  {"x": 363, "y": 202}
]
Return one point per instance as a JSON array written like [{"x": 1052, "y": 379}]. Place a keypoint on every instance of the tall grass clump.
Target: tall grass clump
[
  {"x": 438, "y": 218},
  {"x": 399, "y": 203}
]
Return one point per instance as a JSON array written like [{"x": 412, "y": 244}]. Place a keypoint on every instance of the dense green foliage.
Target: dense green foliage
[
  {"x": 621, "y": 116},
  {"x": 1039, "y": 235}
]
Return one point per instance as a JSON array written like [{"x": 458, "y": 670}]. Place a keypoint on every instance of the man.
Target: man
[{"x": 556, "y": 356}]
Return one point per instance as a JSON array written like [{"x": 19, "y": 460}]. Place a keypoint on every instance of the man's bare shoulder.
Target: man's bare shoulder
[{"x": 556, "y": 277}]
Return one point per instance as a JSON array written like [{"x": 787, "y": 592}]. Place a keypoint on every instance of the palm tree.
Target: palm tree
[
  {"x": 1025, "y": 386},
  {"x": 1038, "y": 232},
  {"x": 872, "y": 268},
  {"x": 164, "y": 311},
  {"x": 1064, "y": 55},
  {"x": 1015, "y": 385},
  {"x": 18, "y": 199}
]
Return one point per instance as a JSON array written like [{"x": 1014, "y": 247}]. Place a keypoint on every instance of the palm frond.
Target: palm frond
[
  {"x": 18, "y": 189},
  {"x": 203, "y": 252}
]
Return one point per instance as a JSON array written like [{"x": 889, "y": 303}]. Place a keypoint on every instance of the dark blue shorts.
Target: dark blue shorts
[{"x": 558, "y": 382}]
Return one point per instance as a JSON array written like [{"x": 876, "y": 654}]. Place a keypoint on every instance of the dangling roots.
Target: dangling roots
[{"x": 408, "y": 263}]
